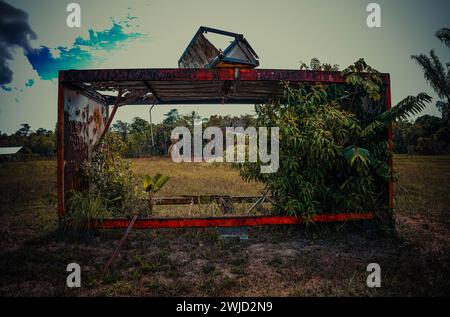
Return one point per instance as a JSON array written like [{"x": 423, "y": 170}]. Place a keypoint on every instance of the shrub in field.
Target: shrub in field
[
  {"x": 333, "y": 150},
  {"x": 109, "y": 175},
  {"x": 107, "y": 172},
  {"x": 84, "y": 207}
]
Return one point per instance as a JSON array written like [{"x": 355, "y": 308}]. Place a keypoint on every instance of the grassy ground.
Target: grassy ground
[
  {"x": 198, "y": 179},
  {"x": 278, "y": 261}
]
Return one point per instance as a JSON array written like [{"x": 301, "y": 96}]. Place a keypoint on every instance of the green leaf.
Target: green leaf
[
  {"x": 354, "y": 153},
  {"x": 156, "y": 177},
  {"x": 409, "y": 105},
  {"x": 147, "y": 183},
  {"x": 155, "y": 183},
  {"x": 162, "y": 179}
]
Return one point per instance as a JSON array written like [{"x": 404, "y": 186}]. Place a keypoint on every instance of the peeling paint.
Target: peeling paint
[{"x": 84, "y": 121}]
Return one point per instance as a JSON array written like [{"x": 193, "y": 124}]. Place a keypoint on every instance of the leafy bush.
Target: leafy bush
[
  {"x": 108, "y": 174},
  {"x": 332, "y": 159}
]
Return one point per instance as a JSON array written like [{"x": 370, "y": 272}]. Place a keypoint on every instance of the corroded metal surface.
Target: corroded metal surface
[
  {"x": 227, "y": 221},
  {"x": 135, "y": 76},
  {"x": 198, "y": 86},
  {"x": 83, "y": 113},
  {"x": 84, "y": 123},
  {"x": 199, "y": 53}
]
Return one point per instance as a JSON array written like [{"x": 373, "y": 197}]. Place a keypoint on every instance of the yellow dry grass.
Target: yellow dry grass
[{"x": 197, "y": 179}]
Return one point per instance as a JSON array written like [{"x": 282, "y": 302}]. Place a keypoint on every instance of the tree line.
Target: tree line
[{"x": 425, "y": 135}]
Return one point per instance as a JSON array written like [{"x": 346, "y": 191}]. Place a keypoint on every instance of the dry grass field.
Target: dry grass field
[
  {"x": 197, "y": 179},
  {"x": 318, "y": 260}
]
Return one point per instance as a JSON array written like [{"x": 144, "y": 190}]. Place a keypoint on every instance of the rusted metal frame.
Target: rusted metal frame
[
  {"x": 206, "y": 29},
  {"x": 223, "y": 56},
  {"x": 229, "y": 60},
  {"x": 111, "y": 116},
  {"x": 250, "y": 48},
  {"x": 153, "y": 223},
  {"x": 186, "y": 200},
  {"x": 259, "y": 201},
  {"x": 120, "y": 244},
  {"x": 150, "y": 88},
  {"x": 225, "y": 52},
  {"x": 88, "y": 92},
  {"x": 188, "y": 74},
  {"x": 151, "y": 123},
  {"x": 60, "y": 147},
  {"x": 239, "y": 221},
  {"x": 186, "y": 50},
  {"x": 229, "y": 100}
]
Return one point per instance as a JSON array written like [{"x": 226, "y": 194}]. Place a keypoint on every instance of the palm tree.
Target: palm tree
[
  {"x": 444, "y": 35},
  {"x": 435, "y": 73}
]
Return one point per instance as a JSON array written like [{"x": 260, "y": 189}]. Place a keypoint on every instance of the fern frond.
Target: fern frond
[{"x": 409, "y": 105}]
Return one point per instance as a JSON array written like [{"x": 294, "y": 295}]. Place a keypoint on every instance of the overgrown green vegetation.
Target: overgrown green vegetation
[
  {"x": 334, "y": 156},
  {"x": 39, "y": 143},
  {"x": 85, "y": 208},
  {"x": 111, "y": 178},
  {"x": 426, "y": 135},
  {"x": 107, "y": 172},
  {"x": 275, "y": 261}
]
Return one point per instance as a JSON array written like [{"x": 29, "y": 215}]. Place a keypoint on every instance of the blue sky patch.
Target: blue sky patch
[
  {"x": 107, "y": 39},
  {"x": 29, "y": 83},
  {"x": 81, "y": 54}
]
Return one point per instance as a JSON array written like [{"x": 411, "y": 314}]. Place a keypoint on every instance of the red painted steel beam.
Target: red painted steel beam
[
  {"x": 226, "y": 221},
  {"x": 192, "y": 74}
]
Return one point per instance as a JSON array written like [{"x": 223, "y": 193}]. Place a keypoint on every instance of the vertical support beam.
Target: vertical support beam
[
  {"x": 151, "y": 124},
  {"x": 391, "y": 161},
  {"x": 60, "y": 147},
  {"x": 111, "y": 116},
  {"x": 150, "y": 88}
]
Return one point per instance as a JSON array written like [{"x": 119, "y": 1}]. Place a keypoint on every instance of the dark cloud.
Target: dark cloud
[{"x": 15, "y": 31}]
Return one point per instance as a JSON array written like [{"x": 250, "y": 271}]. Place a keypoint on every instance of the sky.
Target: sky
[{"x": 153, "y": 34}]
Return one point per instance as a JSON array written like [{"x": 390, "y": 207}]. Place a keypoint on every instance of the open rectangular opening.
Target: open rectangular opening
[{"x": 84, "y": 117}]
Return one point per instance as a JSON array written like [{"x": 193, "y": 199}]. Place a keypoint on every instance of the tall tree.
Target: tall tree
[
  {"x": 435, "y": 73},
  {"x": 24, "y": 130},
  {"x": 444, "y": 35},
  {"x": 171, "y": 117},
  {"x": 122, "y": 128}
]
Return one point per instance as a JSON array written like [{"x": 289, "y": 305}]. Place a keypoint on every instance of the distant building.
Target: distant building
[
  {"x": 9, "y": 153},
  {"x": 10, "y": 150}
]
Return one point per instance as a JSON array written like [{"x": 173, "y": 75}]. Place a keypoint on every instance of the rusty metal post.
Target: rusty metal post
[
  {"x": 60, "y": 147},
  {"x": 120, "y": 244},
  {"x": 390, "y": 216},
  {"x": 111, "y": 117},
  {"x": 391, "y": 161},
  {"x": 151, "y": 124}
]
